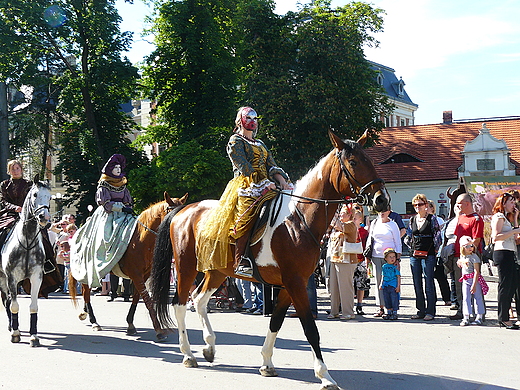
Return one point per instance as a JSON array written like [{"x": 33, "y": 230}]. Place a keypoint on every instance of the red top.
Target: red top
[
  {"x": 362, "y": 236},
  {"x": 469, "y": 225}
]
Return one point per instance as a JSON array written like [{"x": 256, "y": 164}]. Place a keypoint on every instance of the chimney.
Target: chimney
[{"x": 447, "y": 117}]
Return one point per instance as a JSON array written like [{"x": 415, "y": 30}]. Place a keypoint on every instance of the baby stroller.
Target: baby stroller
[{"x": 225, "y": 296}]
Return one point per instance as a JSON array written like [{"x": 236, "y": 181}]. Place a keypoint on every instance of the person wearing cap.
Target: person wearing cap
[{"x": 474, "y": 286}]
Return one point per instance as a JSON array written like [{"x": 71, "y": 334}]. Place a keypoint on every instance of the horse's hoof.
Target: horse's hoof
[
  {"x": 209, "y": 354},
  {"x": 96, "y": 328},
  {"x": 131, "y": 331},
  {"x": 34, "y": 341},
  {"x": 330, "y": 387},
  {"x": 190, "y": 362},
  {"x": 268, "y": 371},
  {"x": 15, "y": 338},
  {"x": 83, "y": 316},
  {"x": 161, "y": 337}
]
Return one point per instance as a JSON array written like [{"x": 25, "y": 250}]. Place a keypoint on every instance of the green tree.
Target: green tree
[
  {"x": 192, "y": 73},
  {"x": 322, "y": 81},
  {"x": 93, "y": 80}
]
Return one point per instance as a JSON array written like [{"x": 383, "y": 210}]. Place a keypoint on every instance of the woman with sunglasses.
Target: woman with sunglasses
[
  {"x": 424, "y": 236},
  {"x": 504, "y": 234}
]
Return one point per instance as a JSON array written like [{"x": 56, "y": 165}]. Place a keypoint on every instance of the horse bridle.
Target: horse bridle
[{"x": 359, "y": 197}]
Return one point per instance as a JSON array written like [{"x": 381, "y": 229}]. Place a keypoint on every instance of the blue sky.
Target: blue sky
[{"x": 460, "y": 55}]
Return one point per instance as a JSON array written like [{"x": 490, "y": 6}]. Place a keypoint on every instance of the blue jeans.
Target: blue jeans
[
  {"x": 391, "y": 298},
  {"x": 424, "y": 268}
]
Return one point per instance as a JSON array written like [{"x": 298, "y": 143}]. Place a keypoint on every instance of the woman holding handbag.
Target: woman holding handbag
[
  {"x": 344, "y": 250},
  {"x": 424, "y": 236}
]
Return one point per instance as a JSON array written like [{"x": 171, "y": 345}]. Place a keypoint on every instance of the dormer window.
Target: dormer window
[
  {"x": 379, "y": 79},
  {"x": 401, "y": 158},
  {"x": 400, "y": 87}
]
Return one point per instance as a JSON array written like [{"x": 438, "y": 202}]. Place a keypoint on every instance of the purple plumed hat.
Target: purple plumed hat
[{"x": 114, "y": 160}]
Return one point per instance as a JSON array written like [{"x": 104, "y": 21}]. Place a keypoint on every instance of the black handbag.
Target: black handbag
[
  {"x": 368, "y": 249},
  {"x": 487, "y": 253}
]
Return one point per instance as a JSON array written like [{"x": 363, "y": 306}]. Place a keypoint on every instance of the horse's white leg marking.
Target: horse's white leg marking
[
  {"x": 201, "y": 305},
  {"x": 184, "y": 344},
  {"x": 322, "y": 373},
  {"x": 36, "y": 282},
  {"x": 267, "y": 368},
  {"x": 15, "y": 307}
]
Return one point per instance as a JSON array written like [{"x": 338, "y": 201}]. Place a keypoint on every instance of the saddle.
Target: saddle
[{"x": 267, "y": 216}]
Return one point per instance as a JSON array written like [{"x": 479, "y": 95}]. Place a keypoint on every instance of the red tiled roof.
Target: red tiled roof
[{"x": 439, "y": 148}]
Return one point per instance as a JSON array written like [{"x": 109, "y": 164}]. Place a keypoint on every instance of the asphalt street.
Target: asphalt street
[{"x": 361, "y": 354}]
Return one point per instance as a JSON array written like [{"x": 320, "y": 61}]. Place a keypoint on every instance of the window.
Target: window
[
  {"x": 380, "y": 79},
  {"x": 485, "y": 164},
  {"x": 403, "y": 122},
  {"x": 409, "y": 208},
  {"x": 401, "y": 158}
]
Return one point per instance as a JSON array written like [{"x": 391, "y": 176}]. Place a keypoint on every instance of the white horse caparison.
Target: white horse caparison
[{"x": 23, "y": 256}]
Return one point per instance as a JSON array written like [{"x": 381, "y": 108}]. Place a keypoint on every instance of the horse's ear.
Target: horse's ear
[
  {"x": 336, "y": 141},
  {"x": 36, "y": 178},
  {"x": 363, "y": 139},
  {"x": 183, "y": 199},
  {"x": 168, "y": 199}
]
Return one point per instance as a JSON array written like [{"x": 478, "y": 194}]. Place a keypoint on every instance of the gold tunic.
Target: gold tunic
[{"x": 236, "y": 212}]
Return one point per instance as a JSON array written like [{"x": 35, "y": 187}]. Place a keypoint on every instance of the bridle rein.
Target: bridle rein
[{"x": 360, "y": 197}]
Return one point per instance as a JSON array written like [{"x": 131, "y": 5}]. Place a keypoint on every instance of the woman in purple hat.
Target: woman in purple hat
[{"x": 101, "y": 242}]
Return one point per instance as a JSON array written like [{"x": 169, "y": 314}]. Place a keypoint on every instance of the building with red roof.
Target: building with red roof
[{"x": 429, "y": 159}]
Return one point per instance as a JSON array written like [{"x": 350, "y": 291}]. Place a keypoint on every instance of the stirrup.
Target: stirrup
[
  {"x": 48, "y": 267},
  {"x": 244, "y": 270}
]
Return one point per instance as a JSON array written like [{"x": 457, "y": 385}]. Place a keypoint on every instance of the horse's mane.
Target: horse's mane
[
  {"x": 148, "y": 217},
  {"x": 315, "y": 171}
]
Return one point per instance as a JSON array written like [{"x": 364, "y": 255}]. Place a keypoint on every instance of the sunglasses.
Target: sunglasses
[{"x": 419, "y": 204}]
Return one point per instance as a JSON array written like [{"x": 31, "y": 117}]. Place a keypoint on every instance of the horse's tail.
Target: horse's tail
[
  {"x": 72, "y": 290},
  {"x": 161, "y": 270}
]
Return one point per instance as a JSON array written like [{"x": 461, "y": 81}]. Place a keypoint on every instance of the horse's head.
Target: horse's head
[
  {"x": 356, "y": 176},
  {"x": 37, "y": 202}
]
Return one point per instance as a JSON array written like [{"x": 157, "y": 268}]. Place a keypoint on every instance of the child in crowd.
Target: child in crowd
[
  {"x": 390, "y": 284},
  {"x": 474, "y": 287},
  {"x": 64, "y": 255}
]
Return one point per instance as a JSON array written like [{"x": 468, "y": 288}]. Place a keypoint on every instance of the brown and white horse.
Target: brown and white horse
[
  {"x": 136, "y": 264},
  {"x": 286, "y": 256}
]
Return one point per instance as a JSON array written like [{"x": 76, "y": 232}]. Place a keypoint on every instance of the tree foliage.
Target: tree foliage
[
  {"x": 304, "y": 72},
  {"x": 81, "y": 38},
  {"x": 322, "y": 81}
]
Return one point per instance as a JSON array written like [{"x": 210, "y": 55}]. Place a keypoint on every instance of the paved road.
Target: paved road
[{"x": 362, "y": 354}]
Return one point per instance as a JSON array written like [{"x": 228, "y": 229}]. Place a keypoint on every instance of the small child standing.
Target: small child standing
[
  {"x": 390, "y": 284},
  {"x": 474, "y": 287}
]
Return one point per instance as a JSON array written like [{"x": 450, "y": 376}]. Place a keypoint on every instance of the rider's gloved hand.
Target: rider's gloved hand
[
  {"x": 117, "y": 206},
  {"x": 128, "y": 210}
]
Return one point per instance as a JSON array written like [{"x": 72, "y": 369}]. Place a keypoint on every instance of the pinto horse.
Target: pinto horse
[
  {"x": 286, "y": 256},
  {"x": 136, "y": 264},
  {"x": 23, "y": 256}
]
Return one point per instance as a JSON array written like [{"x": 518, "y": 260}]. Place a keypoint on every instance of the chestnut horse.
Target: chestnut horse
[
  {"x": 286, "y": 256},
  {"x": 136, "y": 264}
]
